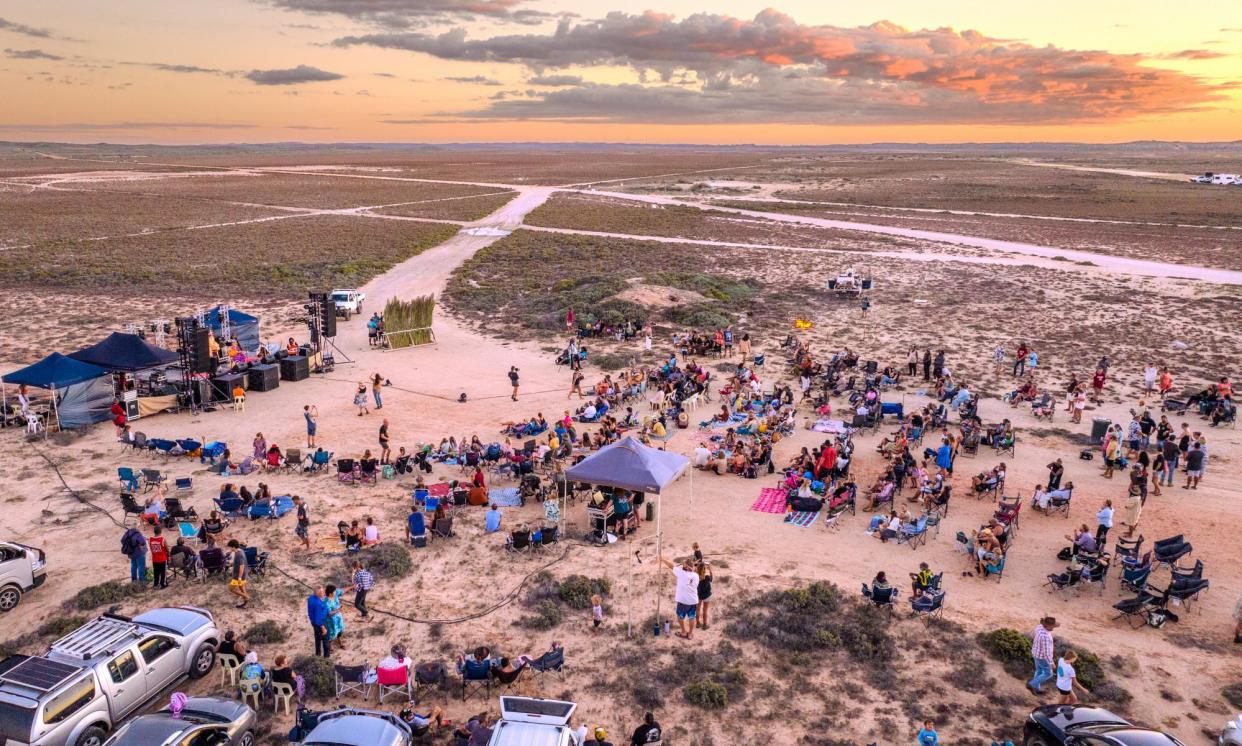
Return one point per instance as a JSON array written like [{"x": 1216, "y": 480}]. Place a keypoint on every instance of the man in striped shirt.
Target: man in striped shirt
[
  {"x": 1041, "y": 652},
  {"x": 363, "y": 582}
]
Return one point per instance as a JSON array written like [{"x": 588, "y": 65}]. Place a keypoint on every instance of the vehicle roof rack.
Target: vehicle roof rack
[
  {"x": 40, "y": 674},
  {"x": 97, "y": 637}
]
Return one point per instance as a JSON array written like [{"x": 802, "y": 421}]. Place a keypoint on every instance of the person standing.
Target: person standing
[
  {"x": 385, "y": 453},
  {"x": 1133, "y": 509},
  {"x": 377, "y": 382},
  {"x": 575, "y": 384},
  {"x": 237, "y": 581},
  {"x": 360, "y": 400},
  {"x": 648, "y": 732},
  {"x": 311, "y": 413},
  {"x": 912, "y": 362},
  {"x": 1195, "y": 459},
  {"x": 1097, "y": 383},
  {"x": 159, "y": 558},
  {"x": 1104, "y": 521},
  {"x": 134, "y": 546},
  {"x": 1019, "y": 359},
  {"x": 998, "y": 359},
  {"x": 686, "y": 596},
  {"x": 938, "y": 366},
  {"x": 927, "y": 736},
  {"x": 1056, "y": 470},
  {"x": 1041, "y": 653},
  {"x": 1149, "y": 379},
  {"x": 927, "y": 361},
  {"x": 317, "y": 614},
  {"x": 363, "y": 581},
  {"x": 302, "y": 528},
  {"x": 1067, "y": 679},
  {"x": 705, "y": 593},
  {"x": 513, "y": 381}
]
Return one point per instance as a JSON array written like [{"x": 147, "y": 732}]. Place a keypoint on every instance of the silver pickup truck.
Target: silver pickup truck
[
  {"x": 22, "y": 569},
  {"x": 90, "y": 680}
]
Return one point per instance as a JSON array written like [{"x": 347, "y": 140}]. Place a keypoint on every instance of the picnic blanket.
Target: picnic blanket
[
  {"x": 439, "y": 490},
  {"x": 714, "y": 423},
  {"x": 829, "y": 426},
  {"x": 330, "y": 545},
  {"x": 504, "y": 497},
  {"x": 771, "y": 500},
  {"x": 803, "y": 519},
  {"x": 187, "y": 530}
]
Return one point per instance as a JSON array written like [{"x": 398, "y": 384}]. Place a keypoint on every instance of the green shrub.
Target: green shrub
[
  {"x": 105, "y": 594},
  {"x": 576, "y": 590},
  {"x": 699, "y": 316},
  {"x": 1006, "y": 644},
  {"x": 547, "y": 615},
  {"x": 706, "y": 694},
  {"x": 390, "y": 561},
  {"x": 813, "y": 618},
  {"x": 267, "y": 632},
  {"x": 318, "y": 673},
  {"x": 1233, "y": 694},
  {"x": 62, "y": 625}
]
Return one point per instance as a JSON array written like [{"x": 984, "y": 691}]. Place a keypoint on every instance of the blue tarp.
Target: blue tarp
[
  {"x": 241, "y": 325},
  {"x": 55, "y": 370},
  {"x": 125, "y": 352},
  {"x": 630, "y": 465}
]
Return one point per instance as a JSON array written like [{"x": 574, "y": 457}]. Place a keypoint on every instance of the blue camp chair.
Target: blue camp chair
[{"x": 128, "y": 479}]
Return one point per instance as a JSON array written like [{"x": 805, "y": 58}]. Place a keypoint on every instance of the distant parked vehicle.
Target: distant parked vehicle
[
  {"x": 348, "y": 302},
  {"x": 1225, "y": 179},
  {"x": 848, "y": 282},
  {"x": 1075, "y": 725},
  {"x": 205, "y": 721},
  {"x": 91, "y": 679},
  {"x": 22, "y": 569}
]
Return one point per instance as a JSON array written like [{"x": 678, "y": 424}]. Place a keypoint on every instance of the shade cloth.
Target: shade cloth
[
  {"x": 630, "y": 465},
  {"x": 125, "y": 352},
  {"x": 55, "y": 370}
]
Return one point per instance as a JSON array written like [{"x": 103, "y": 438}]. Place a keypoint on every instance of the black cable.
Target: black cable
[{"x": 75, "y": 493}]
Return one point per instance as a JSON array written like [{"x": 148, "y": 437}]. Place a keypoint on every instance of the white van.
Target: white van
[
  {"x": 529, "y": 721},
  {"x": 22, "y": 569},
  {"x": 1225, "y": 179}
]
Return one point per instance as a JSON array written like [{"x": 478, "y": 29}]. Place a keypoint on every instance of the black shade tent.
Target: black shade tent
[
  {"x": 82, "y": 393},
  {"x": 125, "y": 353}
]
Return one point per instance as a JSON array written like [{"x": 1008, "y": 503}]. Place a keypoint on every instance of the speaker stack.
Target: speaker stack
[
  {"x": 295, "y": 368},
  {"x": 327, "y": 318},
  {"x": 193, "y": 345},
  {"x": 264, "y": 377}
]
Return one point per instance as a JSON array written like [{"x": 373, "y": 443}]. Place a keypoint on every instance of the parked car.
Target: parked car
[
  {"x": 90, "y": 680},
  {"x": 1232, "y": 734},
  {"x": 530, "y": 721},
  {"x": 1076, "y": 725},
  {"x": 205, "y": 721},
  {"x": 348, "y": 302},
  {"x": 22, "y": 569},
  {"x": 351, "y": 726}
]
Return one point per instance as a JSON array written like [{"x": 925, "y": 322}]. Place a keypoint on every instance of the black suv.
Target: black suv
[{"x": 1073, "y": 725}]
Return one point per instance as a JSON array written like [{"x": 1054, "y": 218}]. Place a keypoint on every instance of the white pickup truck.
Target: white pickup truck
[
  {"x": 90, "y": 680},
  {"x": 348, "y": 302},
  {"x": 22, "y": 569}
]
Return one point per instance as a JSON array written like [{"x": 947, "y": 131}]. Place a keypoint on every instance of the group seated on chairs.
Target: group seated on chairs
[
  {"x": 536, "y": 425},
  {"x": 1027, "y": 391},
  {"x": 880, "y": 593},
  {"x": 1049, "y": 502},
  {"x": 990, "y": 483}
]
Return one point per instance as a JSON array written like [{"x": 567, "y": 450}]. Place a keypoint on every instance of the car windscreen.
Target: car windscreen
[
  {"x": 15, "y": 722},
  {"x": 340, "y": 296}
]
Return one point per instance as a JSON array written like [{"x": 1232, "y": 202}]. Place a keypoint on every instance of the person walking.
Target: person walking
[
  {"x": 377, "y": 382},
  {"x": 317, "y": 614},
  {"x": 311, "y": 413},
  {"x": 385, "y": 453},
  {"x": 134, "y": 546},
  {"x": 1019, "y": 359},
  {"x": 360, "y": 400},
  {"x": 1041, "y": 653},
  {"x": 1067, "y": 679},
  {"x": 513, "y": 380},
  {"x": 159, "y": 558},
  {"x": 686, "y": 596},
  {"x": 1195, "y": 461},
  {"x": 1056, "y": 470},
  {"x": 302, "y": 527},
  {"x": 364, "y": 581},
  {"x": 237, "y": 581}
]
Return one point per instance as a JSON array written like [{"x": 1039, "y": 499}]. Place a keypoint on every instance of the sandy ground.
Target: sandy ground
[{"x": 1193, "y": 658}]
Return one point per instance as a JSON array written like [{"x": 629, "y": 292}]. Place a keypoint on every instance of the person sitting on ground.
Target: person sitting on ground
[
  {"x": 420, "y": 725},
  {"x": 491, "y": 519},
  {"x": 353, "y": 537},
  {"x": 370, "y": 534}
]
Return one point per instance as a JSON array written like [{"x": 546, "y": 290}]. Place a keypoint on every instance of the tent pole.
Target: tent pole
[
  {"x": 55, "y": 411},
  {"x": 659, "y": 553}
]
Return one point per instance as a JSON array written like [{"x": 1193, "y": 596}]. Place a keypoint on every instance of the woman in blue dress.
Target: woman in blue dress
[{"x": 336, "y": 622}]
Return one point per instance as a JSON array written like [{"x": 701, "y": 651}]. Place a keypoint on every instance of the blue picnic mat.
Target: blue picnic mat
[
  {"x": 803, "y": 519},
  {"x": 504, "y": 497}
]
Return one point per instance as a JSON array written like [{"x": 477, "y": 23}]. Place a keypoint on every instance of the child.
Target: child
[
  {"x": 1067, "y": 679},
  {"x": 927, "y": 736},
  {"x": 597, "y": 612}
]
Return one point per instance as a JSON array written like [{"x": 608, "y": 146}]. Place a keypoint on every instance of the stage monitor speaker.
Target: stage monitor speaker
[
  {"x": 866, "y": 284},
  {"x": 295, "y": 368},
  {"x": 131, "y": 409},
  {"x": 199, "y": 349},
  {"x": 327, "y": 318},
  {"x": 264, "y": 377}
]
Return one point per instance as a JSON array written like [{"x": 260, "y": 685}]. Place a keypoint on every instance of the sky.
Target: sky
[{"x": 677, "y": 71}]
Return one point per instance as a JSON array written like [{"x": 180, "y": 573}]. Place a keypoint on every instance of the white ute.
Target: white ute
[
  {"x": 91, "y": 679},
  {"x": 348, "y": 302},
  {"x": 529, "y": 721},
  {"x": 22, "y": 569}
]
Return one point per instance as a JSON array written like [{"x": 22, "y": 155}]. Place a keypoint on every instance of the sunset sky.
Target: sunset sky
[{"x": 677, "y": 71}]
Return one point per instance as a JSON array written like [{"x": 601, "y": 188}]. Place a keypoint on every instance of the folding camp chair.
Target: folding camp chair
[
  {"x": 429, "y": 675},
  {"x": 367, "y": 472},
  {"x": 129, "y": 507},
  {"x": 229, "y": 506},
  {"x": 882, "y": 598},
  {"x": 256, "y": 561},
  {"x": 928, "y": 606},
  {"x": 345, "y": 470},
  {"x": 152, "y": 478},
  {"x": 351, "y": 679},
  {"x": 128, "y": 479},
  {"x": 550, "y": 663},
  {"x": 319, "y": 462},
  {"x": 394, "y": 681},
  {"x": 914, "y": 535},
  {"x": 518, "y": 543},
  {"x": 293, "y": 460},
  {"x": 475, "y": 678}
]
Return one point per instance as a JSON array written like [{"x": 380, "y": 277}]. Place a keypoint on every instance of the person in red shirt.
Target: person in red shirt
[
  {"x": 1097, "y": 383},
  {"x": 1019, "y": 359},
  {"x": 159, "y": 558},
  {"x": 118, "y": 416},
  {"x": 826, "y": 463}
]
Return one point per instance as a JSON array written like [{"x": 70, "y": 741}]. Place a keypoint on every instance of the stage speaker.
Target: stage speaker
[
  {"x": 295, "y": 368},
  {"x": 264, "y": 377},
  {"x": 131, "y": 409},
  {"x": 198, "y": 349},
  {"x": 866, "y": 284},
  {"x": 222, "y": 386},
  {"x": 327, "y": 318}
]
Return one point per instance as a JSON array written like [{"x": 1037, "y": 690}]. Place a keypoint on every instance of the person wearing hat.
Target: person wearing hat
[
  {"x": 1041, "y": 653},
  {"x": 601, "y": 738}
]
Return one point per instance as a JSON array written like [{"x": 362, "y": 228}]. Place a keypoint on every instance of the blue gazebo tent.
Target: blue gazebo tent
[
  {"x": 125, "y": 353},
  {"x": 82, "y": 393},
  {"x": 241, "y": 325}
]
